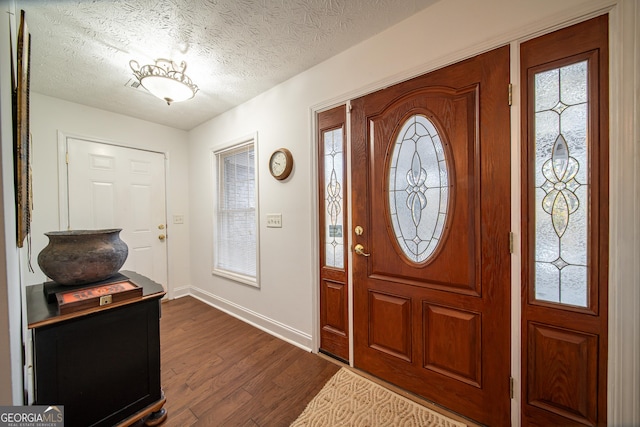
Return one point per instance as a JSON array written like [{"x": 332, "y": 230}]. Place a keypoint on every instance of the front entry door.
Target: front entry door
[{"x": 431, "y": 191}]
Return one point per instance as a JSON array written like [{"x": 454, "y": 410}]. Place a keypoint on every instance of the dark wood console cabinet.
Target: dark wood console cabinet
[{"x": 102, "y": 364}]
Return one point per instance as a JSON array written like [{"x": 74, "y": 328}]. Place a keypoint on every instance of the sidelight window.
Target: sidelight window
[
  {"x": 334, "y": 197},
  {"x": 561, "y": 184}
]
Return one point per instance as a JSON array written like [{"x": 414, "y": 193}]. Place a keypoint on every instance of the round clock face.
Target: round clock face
[{"x": 281, "y": 163}]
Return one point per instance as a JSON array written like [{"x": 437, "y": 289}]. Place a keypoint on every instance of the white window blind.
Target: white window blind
[{"x": 235, "y": 239}]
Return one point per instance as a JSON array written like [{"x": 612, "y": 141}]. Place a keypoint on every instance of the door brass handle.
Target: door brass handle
[
  {"x": 162, "y": 237},
  {"x": 359, "y": 249}
]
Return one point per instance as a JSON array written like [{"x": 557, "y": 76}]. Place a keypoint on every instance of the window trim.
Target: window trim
[{"x": 251, "y": 139}]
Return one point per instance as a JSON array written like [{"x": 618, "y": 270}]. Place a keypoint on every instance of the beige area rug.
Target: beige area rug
[{"x": 349, "y": 399}]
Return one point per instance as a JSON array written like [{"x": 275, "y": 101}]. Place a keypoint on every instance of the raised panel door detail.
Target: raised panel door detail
[
  {"x": 101, "y": 162},
  {"x": 452, "y": 342},
  {"x": 390, "y": 324},
  {"x": 141, "y": 208},
  {"x": 103, "y": 205},
  {"x": 334, "y": 315},
  {"x": 139, "y": 167},
  {"x": 143, "y": 259},
  {"x": 563, "y": 372}
]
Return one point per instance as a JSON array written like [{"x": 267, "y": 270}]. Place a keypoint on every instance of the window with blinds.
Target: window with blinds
[{"x": 235, "y": 225}]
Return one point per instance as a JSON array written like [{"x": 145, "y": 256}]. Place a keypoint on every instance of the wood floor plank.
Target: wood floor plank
[
  {"x": 220, "y": 371},
  {"x": 221, "y": 408},
  {"x": 185, "y": 418}
]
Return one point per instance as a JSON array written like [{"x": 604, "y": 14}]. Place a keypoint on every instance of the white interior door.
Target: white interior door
[{"x": 117, "y": 187}]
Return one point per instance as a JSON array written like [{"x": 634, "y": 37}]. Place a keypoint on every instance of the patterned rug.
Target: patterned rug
[{"x": 349, "y": 399}]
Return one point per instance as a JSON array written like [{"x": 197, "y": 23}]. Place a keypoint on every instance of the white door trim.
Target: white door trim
[{"x": 623, "y": 385}]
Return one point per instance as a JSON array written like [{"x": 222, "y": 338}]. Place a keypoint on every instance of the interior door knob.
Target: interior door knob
[{"x": 162, "y": 237}]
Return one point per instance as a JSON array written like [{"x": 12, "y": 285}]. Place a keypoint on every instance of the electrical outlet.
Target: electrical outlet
[{"x": 274, "y": 220}]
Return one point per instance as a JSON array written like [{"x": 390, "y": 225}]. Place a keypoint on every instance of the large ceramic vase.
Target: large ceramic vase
[{"x": 78, "y": 257}]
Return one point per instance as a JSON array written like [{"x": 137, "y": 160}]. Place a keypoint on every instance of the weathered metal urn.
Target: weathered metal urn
[{"x": 78, "y": 257}]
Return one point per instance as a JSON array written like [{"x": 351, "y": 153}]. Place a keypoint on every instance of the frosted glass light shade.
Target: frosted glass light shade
[
  {"x": 165, "y": 79},
  {"x": 167, "y": 88}
]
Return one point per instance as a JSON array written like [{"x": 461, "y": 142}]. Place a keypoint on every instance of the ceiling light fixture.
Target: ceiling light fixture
[{"x": 165, "y": 79}]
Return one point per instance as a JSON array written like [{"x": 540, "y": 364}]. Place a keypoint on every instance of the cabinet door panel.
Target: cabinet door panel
[{"x": 102, "y": 367}]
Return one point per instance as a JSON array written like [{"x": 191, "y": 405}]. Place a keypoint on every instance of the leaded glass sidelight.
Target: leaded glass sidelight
[
  {"x": 418, "y": 188},
  {"x": 334, "y": 197},
  {"x": 561, "y": 185}
]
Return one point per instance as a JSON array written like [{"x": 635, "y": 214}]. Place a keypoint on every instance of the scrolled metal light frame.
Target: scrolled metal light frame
[{"x": 167, "y": 72}]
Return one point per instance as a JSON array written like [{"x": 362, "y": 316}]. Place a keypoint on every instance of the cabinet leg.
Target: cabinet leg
[{"x": 156, "y": 418}]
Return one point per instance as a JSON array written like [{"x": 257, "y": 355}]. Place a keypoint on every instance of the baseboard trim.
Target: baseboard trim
[
  {"x": 182, "y": 291},
  {"x": 270, "y": 326}
]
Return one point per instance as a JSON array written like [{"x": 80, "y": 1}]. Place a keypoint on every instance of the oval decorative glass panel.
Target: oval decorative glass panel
[{"x": 418, "y": 188}]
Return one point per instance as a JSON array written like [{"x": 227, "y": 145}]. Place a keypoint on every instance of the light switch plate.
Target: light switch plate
[
  {"x": 274, "y": 220},
  {"x": 178, "y": 219}
]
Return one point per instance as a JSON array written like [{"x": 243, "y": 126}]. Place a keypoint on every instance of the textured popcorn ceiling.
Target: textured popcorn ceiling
[{"x": 234, "y": 49}]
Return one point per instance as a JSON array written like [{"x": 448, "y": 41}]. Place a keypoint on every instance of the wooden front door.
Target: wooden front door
[{"x": 431, "y": 193}]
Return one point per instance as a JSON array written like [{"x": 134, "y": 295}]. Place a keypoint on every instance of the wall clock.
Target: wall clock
[{"x": 281, "y": 163}]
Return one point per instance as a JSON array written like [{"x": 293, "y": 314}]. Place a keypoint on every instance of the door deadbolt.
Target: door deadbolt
[{"x": 358, "y": 230}]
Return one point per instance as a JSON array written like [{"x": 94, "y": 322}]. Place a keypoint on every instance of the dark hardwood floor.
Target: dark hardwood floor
[{"x": 220, "y": 371}]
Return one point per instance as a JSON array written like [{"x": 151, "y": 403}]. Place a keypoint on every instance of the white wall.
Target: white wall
[
  {"x": 445, "y": 32},
  {"x": 50, "y": 116},
  {"x": 10, "y": 299}
]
